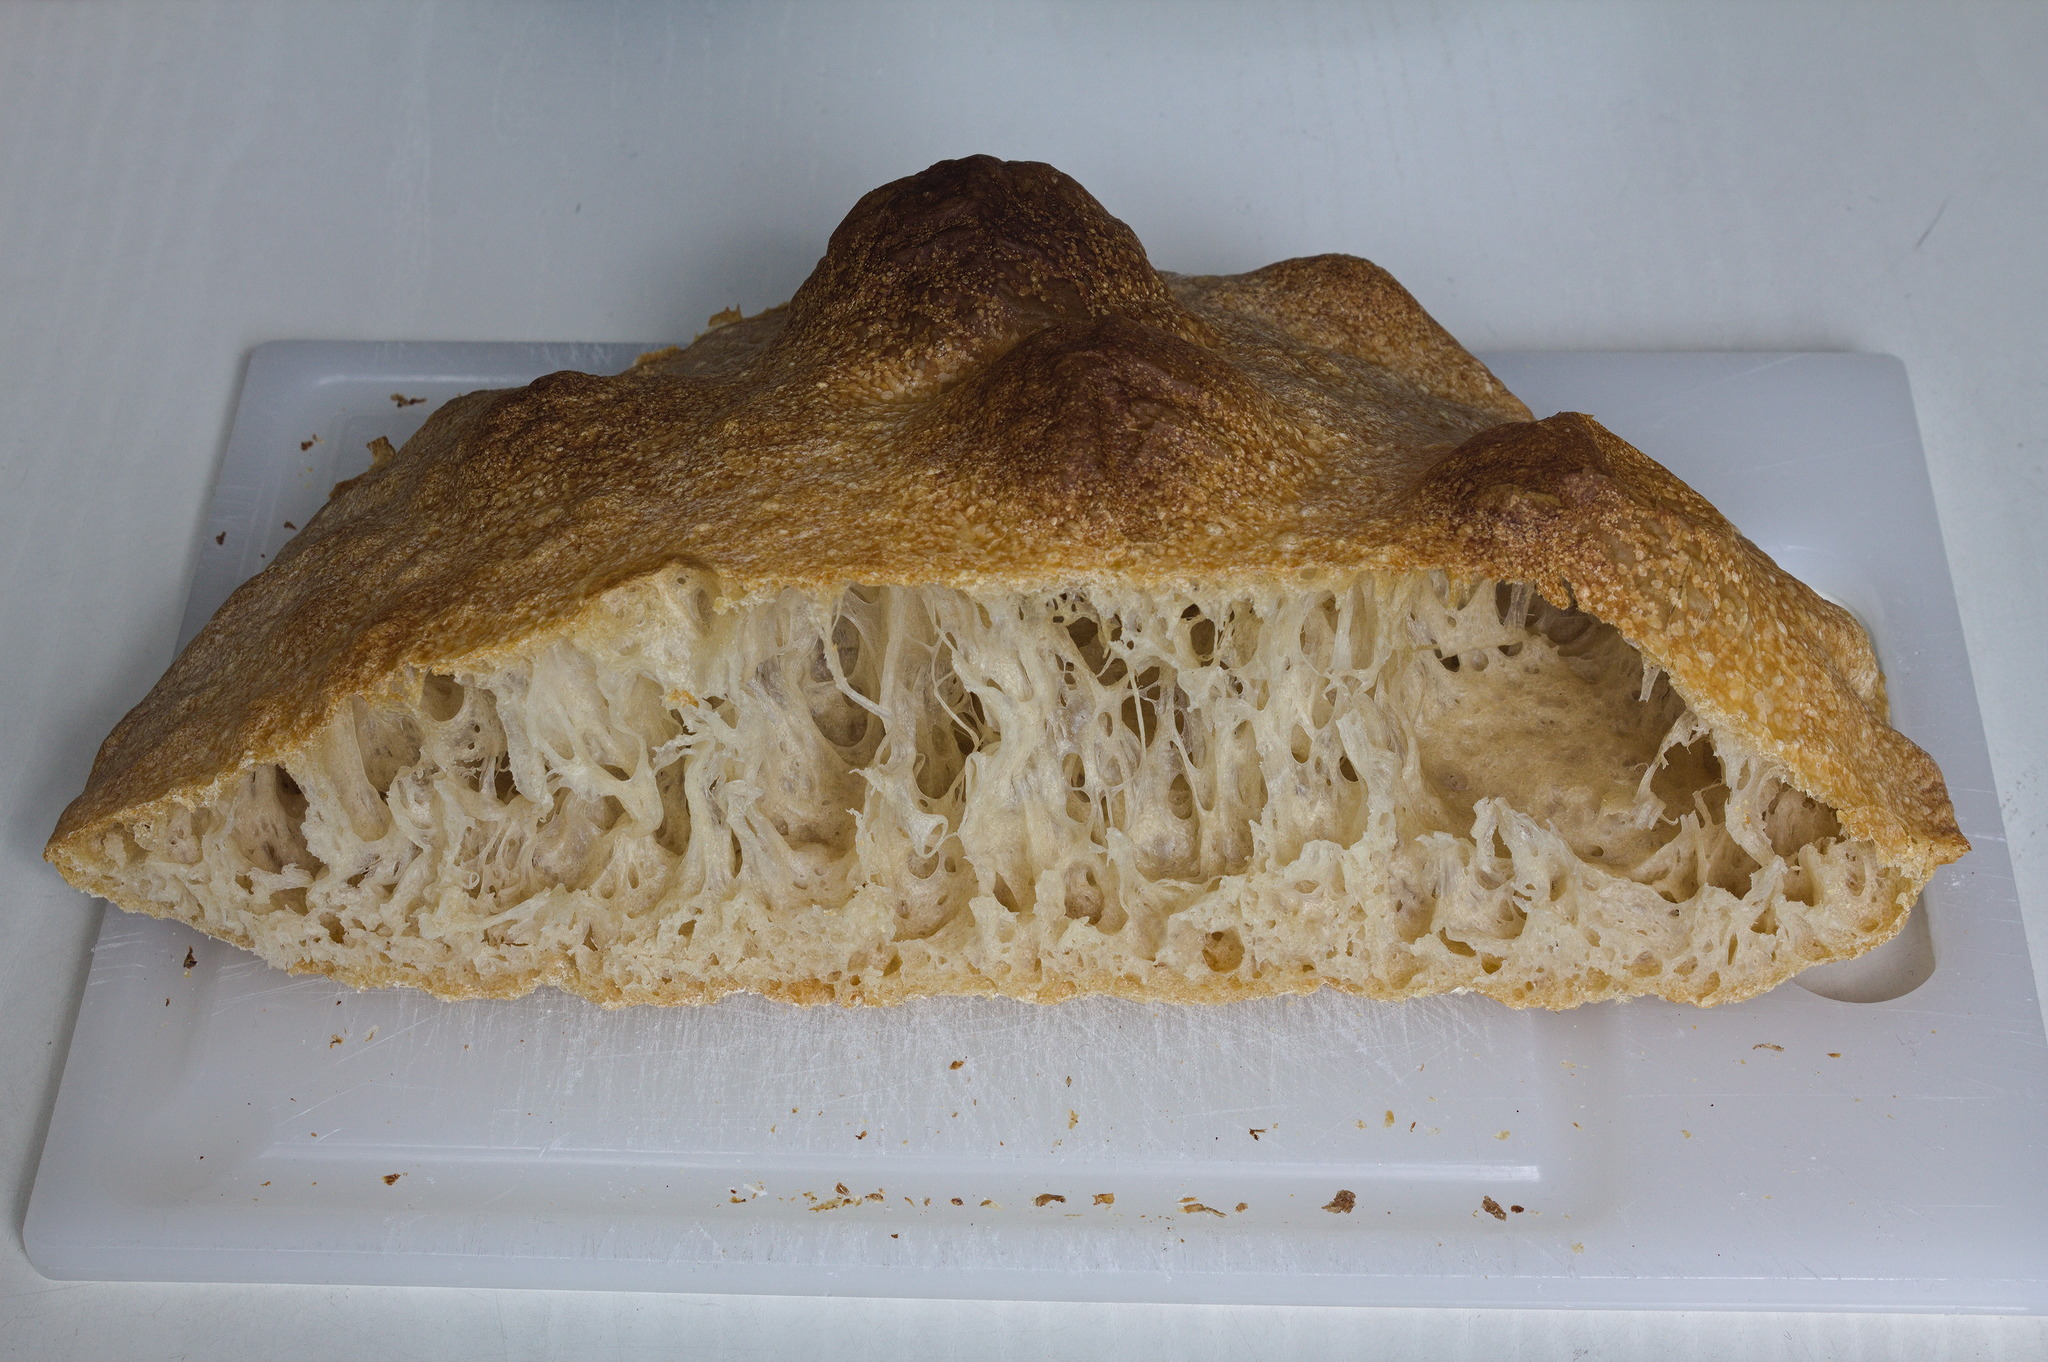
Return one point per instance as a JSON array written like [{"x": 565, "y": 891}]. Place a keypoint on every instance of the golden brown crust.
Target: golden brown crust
[{"x": 985, "y": 381}]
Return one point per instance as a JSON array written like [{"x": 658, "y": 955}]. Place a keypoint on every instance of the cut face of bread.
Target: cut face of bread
[
  {"x": 1395, "y": 784},
  {"x": 1002, "y": 615}
]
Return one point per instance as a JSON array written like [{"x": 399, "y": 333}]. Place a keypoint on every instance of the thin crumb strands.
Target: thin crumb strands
[{"x": 1403, "y": 786}]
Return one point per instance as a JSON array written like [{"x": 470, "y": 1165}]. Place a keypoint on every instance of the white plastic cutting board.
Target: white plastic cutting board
[{"x": 1850, "y": 1140}]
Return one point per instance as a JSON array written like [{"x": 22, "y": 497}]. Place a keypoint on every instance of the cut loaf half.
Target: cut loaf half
[{"x": 1005, "y": 616}]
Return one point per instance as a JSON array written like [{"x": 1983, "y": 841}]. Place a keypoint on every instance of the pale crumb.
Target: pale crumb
[{"x": 902, "y": 745}]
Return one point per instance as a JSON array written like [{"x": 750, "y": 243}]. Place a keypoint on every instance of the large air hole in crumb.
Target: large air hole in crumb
[
  {"x": 388, "y": 740},
  {"x": 1560, "y": 729},
  {"x": 948, "y": 732},
  {"x": 1300, "y": 745},
  {"x": 841, "y": 718},
  {"x": 1795, "y": 821},
  {"x": 440, "y": 697},
  {"x": 1084, "y": 895},
  {"x": 970, "y": 726},
  {"x": 672, "y": 834},
  {"x": 1095, "y": 645},
  {"x": 267, "y": 820},
  {"x": 1140, "y": 709},
  {"x": 1690, "y": 780},
  {"x": 1223, "y": 951}
]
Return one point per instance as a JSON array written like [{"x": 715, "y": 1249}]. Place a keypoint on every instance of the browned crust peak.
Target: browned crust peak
[{"x": 983, "y": 382}]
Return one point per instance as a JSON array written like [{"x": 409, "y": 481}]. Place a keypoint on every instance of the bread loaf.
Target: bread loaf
[{"x": 1003, "y": 615}]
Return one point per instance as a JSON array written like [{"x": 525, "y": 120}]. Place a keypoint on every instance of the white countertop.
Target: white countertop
[{"x": 178, "y": 184}]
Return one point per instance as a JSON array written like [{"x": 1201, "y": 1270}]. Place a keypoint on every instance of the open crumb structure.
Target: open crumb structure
[{"x": 1399, "y": 786}]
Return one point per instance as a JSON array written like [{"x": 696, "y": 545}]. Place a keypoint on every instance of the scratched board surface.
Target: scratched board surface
[{"x": 1864, "y": 1138}]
